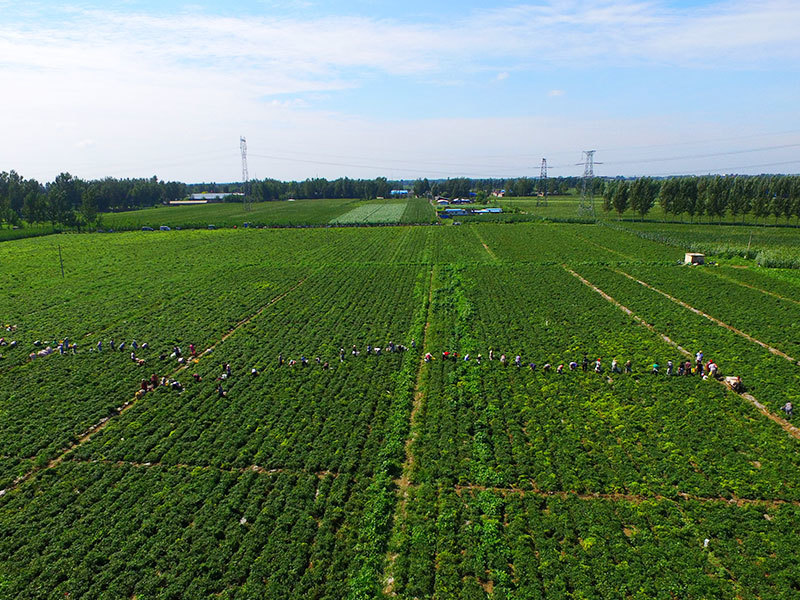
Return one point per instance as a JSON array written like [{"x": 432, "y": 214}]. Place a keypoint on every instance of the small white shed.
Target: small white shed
[{"x": 693, "y": 258}]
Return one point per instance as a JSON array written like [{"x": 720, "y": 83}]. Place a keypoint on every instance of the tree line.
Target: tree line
[
  {"x": 716, "y": 196},
  {"x": 74, "y": 202}
]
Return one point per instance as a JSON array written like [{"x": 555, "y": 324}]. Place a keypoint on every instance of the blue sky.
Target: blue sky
[{"x": 413, "y": 89}]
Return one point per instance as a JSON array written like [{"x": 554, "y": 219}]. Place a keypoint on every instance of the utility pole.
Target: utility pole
[
  {"x": 542, "y": 184},
  {"x": 245, "y": 175},
  {"x": 586, "y": 206},
  {"x": 61, "y": 260}
]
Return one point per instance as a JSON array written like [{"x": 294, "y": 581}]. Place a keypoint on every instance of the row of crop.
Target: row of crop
[
  {"x": 481, "y": 544},
  {"x": 96, "y": 530},
  {"x": 771, "y": 378},
  {"x": 766, "y": 318}
]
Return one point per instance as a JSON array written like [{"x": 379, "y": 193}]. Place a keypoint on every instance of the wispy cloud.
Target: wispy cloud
[{"x": 152, "y": 79}]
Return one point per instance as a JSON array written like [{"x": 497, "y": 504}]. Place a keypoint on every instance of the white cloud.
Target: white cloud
[
  {"x": 555, "y": 93},
  {"x": 171, "y": 94}
]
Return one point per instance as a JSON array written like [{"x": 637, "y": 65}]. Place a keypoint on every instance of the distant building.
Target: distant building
[
  {"x": 399, "y": 193},
  {"x": 213, "y": 196},
  {"x": 498, "y": 193},
  {"x": 442, "y": 201},
  {"x": 693, "y": 258},
  {"x": 484, "y": 211}
]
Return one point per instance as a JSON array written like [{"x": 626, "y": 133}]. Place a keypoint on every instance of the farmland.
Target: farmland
[{"x": 366, "y": 474}]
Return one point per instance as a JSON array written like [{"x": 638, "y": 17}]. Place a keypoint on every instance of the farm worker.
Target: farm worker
[
  {"x": 318, "y": 360},
  {"x": 176, "y": 385},
  {"x": 145, "y": 346},
  {"x": 143, "y": 385},
  {"x": 669, "y": 367},
  {"x": 787, "y": 408},
  {"x": 391, "y": 346},
  {"x": 428, "y": 357},
  {"x": 585, "y": 363},
  {"x": 133, "y": 356},
  {"x": 655, "y": 369},
  {"x": 413, "y": 344},
  {"x": 154, "y": 380},
  {"x": 598, "y": 367},
  {"x": 111, "y": 345},
  {"x": 292, "y": 362},
  {"x": 560, "y": 369},
  {"x": 369, "y": 349},
  {"x": 121, "y": 347},
  {"x": 377, "y": 351},
  {"x": 491, "y": 354},
  {"x": 220, "y": 392},
  {"x": 681, "y": 369},
  {"x": 100, "y": 346},
  {"x": 61, "y": 348},
  {"x": 196, "y": 377},
  {"x": 134, "y": 345},
  {"x": 699, "y": 356},
  {"x": 532, "y": 367},
  {"x": 466, "y": 358},
  {"x": 615, "y": 367},
  {"x": 712, "y": 369},
  {"x": 192, "y": 350},
  {"x": 478, "y": 359},
  {"x": 325, "y": 366},
  {"x": 253, "y": 371},
  {"x": 304, "y": 360},
  {"x": 573, "y": 365},
  {"x": 518, "y": 360},
  {"x": 546, "y": 367},
  {"x": 280, "y": 360},
  {"x": 688, "y": 368},
  {"x": 503, "y": 359}
]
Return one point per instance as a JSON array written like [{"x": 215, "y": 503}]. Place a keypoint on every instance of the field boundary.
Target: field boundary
[
  {"x": 709, "y": 317},
  {"x": 403, "y": 483},
  {"x": 103, "y": 423},
  {"x": 752, "y": 287},
  {"x": 783, "y": 423},
  {"x": 483, "y": 243},
  {"x": 623, "y": 497},
  {"x": 248, "y": 469}
]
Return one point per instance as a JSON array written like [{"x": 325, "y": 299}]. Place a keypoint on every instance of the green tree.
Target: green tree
[{"x": 621, "y": 198}]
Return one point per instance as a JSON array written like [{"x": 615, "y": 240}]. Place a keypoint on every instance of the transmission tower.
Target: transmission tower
[
  {"x": 245, "y": 176},
  {"x": 541, "y": 198},
  {"x": 586, "y": 206}
]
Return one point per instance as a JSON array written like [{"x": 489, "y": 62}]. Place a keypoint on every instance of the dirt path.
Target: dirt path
[
  {"x": 103, "y": 423},
  {"x": 632, "y": 498},
  {"x": 629, "y": 312},
  {"x": 752, "y": 287},
  {"x": 247, "y": 469},
  {"x": 709, "y": 317},
  {"x": 403, "y": 483},
  {"x": 611, "y": 250},
  {"x": 783, "y": 423},
  {"x": 485, "y": 247}
]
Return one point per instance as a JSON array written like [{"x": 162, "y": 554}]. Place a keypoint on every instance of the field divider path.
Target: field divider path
[
  {"x": 483, "y": 243},
  {"x": 103, "y": 423},
  {"x": 248, "y": 469},
  {"x": 709, "y": 317},
  {"x": 611, "y": 250},
  {"x": 783, "y": 423},
  {"x": 752, "y": 287},
  {"x": 403, "y": 483},
  {"x": 622, "y": 497}
]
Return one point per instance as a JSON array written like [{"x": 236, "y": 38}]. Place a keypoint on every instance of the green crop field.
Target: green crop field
[{"x": 311, "y": 438}]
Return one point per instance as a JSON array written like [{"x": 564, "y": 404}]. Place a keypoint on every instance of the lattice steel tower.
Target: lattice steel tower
[
  {"x": 245, "y": 175},
  {"x": 586, "y": 206},
  {"x": 541, "y": 197}
]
